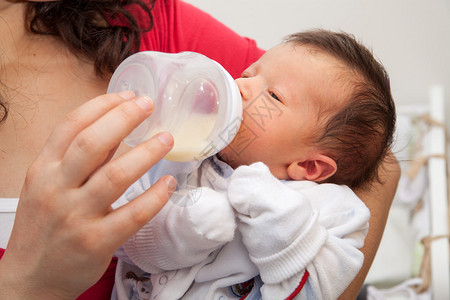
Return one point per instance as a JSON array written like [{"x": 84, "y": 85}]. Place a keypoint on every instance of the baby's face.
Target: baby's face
[{"x": 285, "y": 95}]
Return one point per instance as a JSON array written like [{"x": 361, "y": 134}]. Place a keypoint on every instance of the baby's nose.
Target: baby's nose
[{"x": 243, "y": 88}]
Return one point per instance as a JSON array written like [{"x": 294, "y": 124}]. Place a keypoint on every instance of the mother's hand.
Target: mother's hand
[{"x": 65, "y": 231}]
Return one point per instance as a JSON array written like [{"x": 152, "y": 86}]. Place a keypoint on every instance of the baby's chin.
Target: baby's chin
[
  {"x": 227, "y": 156},
  {"x": 222, "y": 155}
]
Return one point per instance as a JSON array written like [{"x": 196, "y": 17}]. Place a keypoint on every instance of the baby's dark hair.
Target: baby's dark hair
[{"x": 358, "y": 136}]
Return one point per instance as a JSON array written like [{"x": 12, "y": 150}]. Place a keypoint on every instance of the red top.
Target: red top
[{"x": 179, "y": 26}]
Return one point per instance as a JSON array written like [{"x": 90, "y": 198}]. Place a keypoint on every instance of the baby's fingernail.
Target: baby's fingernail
[
  {"x": 166, "y": 138},
  {"x": 145, "y": 103},
  {"x": 127, "y": 95},
  {"x": 171, "y": 182}
]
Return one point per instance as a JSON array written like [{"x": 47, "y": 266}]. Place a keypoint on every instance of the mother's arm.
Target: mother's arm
[{"x": 378, "y": 199}]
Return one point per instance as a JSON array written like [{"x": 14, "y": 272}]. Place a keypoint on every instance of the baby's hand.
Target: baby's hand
[
  {"x": 274, "y": 221},
  {"x": 212, "y": 215},
  {"x": 182, "y": 236}
]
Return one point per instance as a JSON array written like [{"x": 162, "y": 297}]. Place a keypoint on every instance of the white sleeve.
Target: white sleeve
[
  {"x": 182, "y": 236},
  {"x": 297, "y": 226}
]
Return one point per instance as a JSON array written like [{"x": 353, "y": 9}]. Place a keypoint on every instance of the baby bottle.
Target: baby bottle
[{"x": 195, "y": 99}]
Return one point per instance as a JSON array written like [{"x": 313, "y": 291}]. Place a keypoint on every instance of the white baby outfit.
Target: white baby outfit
[{"x": 243, "y": 232}]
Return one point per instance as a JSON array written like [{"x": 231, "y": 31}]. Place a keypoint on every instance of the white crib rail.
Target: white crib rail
[
  {"x": 440, "y": 265},
  {"x": 420, "y": 211}
]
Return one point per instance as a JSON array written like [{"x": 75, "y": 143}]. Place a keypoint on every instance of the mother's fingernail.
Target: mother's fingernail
[
  {"x": 127, "y": 95},
  {"x": 171, "y": 182},
  {"x": 145, "y": 103},
  {"x": 166, "y": 138}
]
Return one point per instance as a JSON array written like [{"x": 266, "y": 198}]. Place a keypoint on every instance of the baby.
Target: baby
[{"x": 272, "y": 215}]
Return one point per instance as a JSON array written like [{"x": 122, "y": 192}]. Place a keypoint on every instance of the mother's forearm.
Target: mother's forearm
[{"x": 378, "y": 198}]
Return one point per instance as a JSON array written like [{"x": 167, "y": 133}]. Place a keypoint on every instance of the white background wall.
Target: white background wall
[{"x": 410, "y": 37}]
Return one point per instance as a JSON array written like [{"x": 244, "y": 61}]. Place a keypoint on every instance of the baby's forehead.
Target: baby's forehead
[
  {"x": 320, "y": 55},
  {"x": 312, "y": 73},
  {"x": 339, "y": 78}
]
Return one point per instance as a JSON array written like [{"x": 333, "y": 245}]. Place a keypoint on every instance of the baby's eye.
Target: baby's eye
[{"x": 274, "y": 96}]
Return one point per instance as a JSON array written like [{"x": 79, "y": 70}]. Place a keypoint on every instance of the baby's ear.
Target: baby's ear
[{"x": 317, "y": 168}]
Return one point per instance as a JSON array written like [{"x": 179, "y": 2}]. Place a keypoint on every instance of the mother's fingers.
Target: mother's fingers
[
  {"x": 112, "y": 179},
  {"x": 79, "y": 119},
  {"x": 92, "y": 146},
  {"x": 129, "y": 218}
]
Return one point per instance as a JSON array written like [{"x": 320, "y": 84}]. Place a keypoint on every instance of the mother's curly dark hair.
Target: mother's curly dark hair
[{"x": 104, "y": 32}]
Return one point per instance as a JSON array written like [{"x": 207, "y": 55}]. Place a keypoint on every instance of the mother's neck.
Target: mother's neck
[{"x": 13, "y": 33}]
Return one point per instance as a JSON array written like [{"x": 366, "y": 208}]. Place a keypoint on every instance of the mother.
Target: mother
[{"x": 54, "y": 56}]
